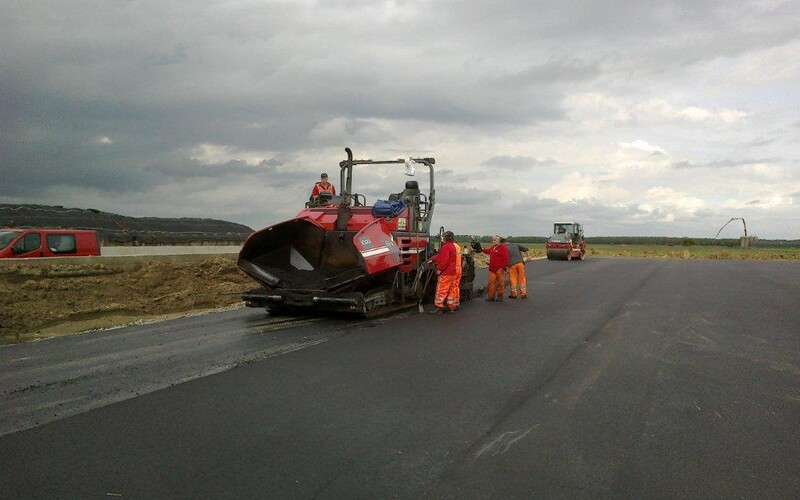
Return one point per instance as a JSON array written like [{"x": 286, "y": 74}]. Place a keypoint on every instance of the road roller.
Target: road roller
[{"x": 567, "y": 242}]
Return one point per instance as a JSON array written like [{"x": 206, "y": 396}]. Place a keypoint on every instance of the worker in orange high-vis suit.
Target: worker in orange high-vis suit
[
  {"x": 459, "y": 272},
  {"x": 498, "y": 265},
  {"x": 516, "y": 269},
  {"x": 446, "y": 285}
]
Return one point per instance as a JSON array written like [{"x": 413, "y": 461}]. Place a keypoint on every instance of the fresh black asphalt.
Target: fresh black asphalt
[{"x": 617, "y": 378}]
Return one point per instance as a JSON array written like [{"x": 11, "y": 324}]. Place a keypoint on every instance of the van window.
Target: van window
[
  {"x": 61, "y": 243},
  {"x": 31, "y": 242},
  {"x": 6, "y": 237}
]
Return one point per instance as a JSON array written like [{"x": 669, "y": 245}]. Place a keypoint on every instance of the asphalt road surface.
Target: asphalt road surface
[{"x": 616, "y": 378}]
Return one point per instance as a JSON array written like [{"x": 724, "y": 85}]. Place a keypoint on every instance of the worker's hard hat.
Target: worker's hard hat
[{"x": 448, "y": 235}]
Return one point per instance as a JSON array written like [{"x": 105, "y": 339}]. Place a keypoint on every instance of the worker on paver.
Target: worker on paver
[
  {"x": 498, "y": 265},
  {"x": 446, "y": 284},
  {"x": 516, "y": 269},
  {"x": 323, "y": 186}
]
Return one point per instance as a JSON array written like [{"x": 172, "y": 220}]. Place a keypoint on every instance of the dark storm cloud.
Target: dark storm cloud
[
  {"x": 116, "y": 96},
  {"x": 266, "y": 171},
  {"x": 548, "y": 73},
  {"x": 681, "y": 32}
]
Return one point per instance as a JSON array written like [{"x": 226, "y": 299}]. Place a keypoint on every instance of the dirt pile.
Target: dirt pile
[{"x": 44, "y": 301}]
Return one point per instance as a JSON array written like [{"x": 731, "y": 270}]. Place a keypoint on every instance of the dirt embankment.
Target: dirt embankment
[{"x": 55, "y": 299}]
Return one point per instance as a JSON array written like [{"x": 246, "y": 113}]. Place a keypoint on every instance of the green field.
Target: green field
[{"x": 693, "y": 252}]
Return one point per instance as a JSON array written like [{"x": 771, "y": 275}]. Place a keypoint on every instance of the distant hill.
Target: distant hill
[{"x": 124, "y": 230}]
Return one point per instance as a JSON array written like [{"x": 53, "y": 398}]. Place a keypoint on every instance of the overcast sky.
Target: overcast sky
[{"x": 634, "y": 117}]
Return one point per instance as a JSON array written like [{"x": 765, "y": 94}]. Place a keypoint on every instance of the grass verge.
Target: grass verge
[{"x": 693, "y": 252}]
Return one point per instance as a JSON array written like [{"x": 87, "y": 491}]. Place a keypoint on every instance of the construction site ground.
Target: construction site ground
[{"x": 51, "y": 297}]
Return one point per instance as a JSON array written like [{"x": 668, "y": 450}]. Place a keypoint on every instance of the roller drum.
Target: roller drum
[{"x": 557, "y": 253}]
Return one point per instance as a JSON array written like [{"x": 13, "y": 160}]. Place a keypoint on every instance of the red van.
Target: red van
[{"x": 18, "y": 243}]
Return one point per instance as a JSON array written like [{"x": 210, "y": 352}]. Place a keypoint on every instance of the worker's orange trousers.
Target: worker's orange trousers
[
  {"x": 446, "y": 290},
  {"x": 497, "y": 284},
  {"x": 516, "y": 276},
  {"x": 457, "y": 287}
]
